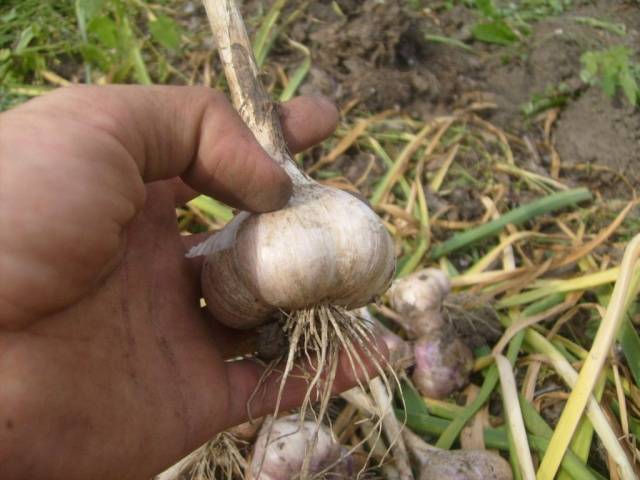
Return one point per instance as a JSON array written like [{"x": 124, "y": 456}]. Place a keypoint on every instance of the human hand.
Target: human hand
[{"x": 109, "y": 369}]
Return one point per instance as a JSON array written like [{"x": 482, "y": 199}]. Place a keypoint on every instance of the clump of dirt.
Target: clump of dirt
[
  {"x": 551, "y": 59},
  {"x": 368, "y": 51},
  {"x": 599, "y": 130},
  {"x": 592, "y": 128}
]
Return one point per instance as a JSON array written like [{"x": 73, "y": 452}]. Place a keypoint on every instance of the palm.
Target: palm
[{"x": 116, "y": 370}]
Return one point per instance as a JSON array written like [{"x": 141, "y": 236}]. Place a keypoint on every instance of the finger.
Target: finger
[
  {"x": 182, "y": 193},
  {"x": 247, "y": 375},
  {"x": 231, "y": 343},
  {"x": 191, "y": 132},
  {"x": 307, "y": 121},
  {"x": 299, "y": 132},
  {"x": 194, "y": 239}
]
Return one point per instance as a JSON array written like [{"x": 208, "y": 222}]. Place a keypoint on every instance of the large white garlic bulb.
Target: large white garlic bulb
[{"x": 325, "y": 247}]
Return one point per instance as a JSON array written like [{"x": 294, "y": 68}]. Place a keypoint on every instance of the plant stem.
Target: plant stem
[{"x": 517, "y": 216}]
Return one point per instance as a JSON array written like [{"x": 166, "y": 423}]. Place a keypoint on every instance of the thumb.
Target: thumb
[{"x": 188, "y": 132}]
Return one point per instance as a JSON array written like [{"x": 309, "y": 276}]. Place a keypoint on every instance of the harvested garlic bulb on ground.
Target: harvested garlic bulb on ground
[
  {"x": 437, "y": 464},
  {"x": 401, "y": 355},
  {"x": 442, "y": 361},
  {"x": 418, "y": 299},
  {"x": 326, "y": 247},
  {"x": 442, "y": 364},
  {"x": 289, "y": 440},
  {"x": 465, "y": 465}
]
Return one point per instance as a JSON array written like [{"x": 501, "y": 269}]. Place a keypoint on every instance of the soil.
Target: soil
[{"x": 374, "y": 53}]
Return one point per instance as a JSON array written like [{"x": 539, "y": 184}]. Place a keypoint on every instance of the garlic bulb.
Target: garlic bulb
[
  {"x": 443, "y": 364},
  {"x": 325, "y": 247},
  {"x": 418, "y": 299},
  {"x": 400, "y": 351},
  {"x": 437, "y": 464},
  {"x": 465, "y": 465},
  {"x": 289, "y": 440}
]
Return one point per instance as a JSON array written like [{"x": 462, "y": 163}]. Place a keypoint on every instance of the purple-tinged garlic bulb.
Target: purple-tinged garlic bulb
[
  {"x": 442, "y": 361},
  {"x": 438, "y": 464},
  {"x": 289, "y": 441},
  {"x": 443, "y": 364},
  {"x": 400, "y": 351},
  {"x": 465, "y": 465}
]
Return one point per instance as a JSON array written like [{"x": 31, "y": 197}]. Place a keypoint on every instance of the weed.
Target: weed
[
  {"x": 613, "y": 69},
  {"x": 553, "y": 97},
  {"x": 34, "y": 36},
  {"x": 97, "y": 41},
  {"x": 505, "y": 25}
]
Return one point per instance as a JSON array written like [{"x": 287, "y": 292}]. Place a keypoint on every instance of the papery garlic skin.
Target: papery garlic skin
[
  {"x": 325, "y": 247},
  {"x": 465, "y": 465},
  {"x": 289, "y": 441}
]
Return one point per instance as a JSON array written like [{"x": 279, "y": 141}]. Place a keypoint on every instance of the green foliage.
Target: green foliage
[
  {"x": 553, "y": 97},
  {"x": 166, "y": 32},
  {"x": 617, "y": 28},
  {"x": 33, "y": 38},
  {"x": 507, "y": 24},
  {"x": 613, "y": 69},
  {"x": 497, "y": 31},
  {"x": 112, "y": 39}
]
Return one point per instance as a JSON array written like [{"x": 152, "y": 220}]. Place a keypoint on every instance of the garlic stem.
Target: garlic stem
[{"x": 247, "y": 93}]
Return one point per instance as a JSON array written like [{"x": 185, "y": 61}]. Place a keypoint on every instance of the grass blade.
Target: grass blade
[
  {"x": 262, "y": 40},
  {"x": 517, "y": 216},
  {"x": 591, "y": 369},
  {"x": 515, "y": 421}
]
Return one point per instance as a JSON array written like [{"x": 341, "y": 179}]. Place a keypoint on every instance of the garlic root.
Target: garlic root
[{"x": 221, "y": 457}]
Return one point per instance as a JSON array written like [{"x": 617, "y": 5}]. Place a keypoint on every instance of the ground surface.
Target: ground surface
[{"x": 376, "y": 53}]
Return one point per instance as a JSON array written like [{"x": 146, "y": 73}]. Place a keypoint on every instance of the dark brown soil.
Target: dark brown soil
[{"x": 374, "y": 53}]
